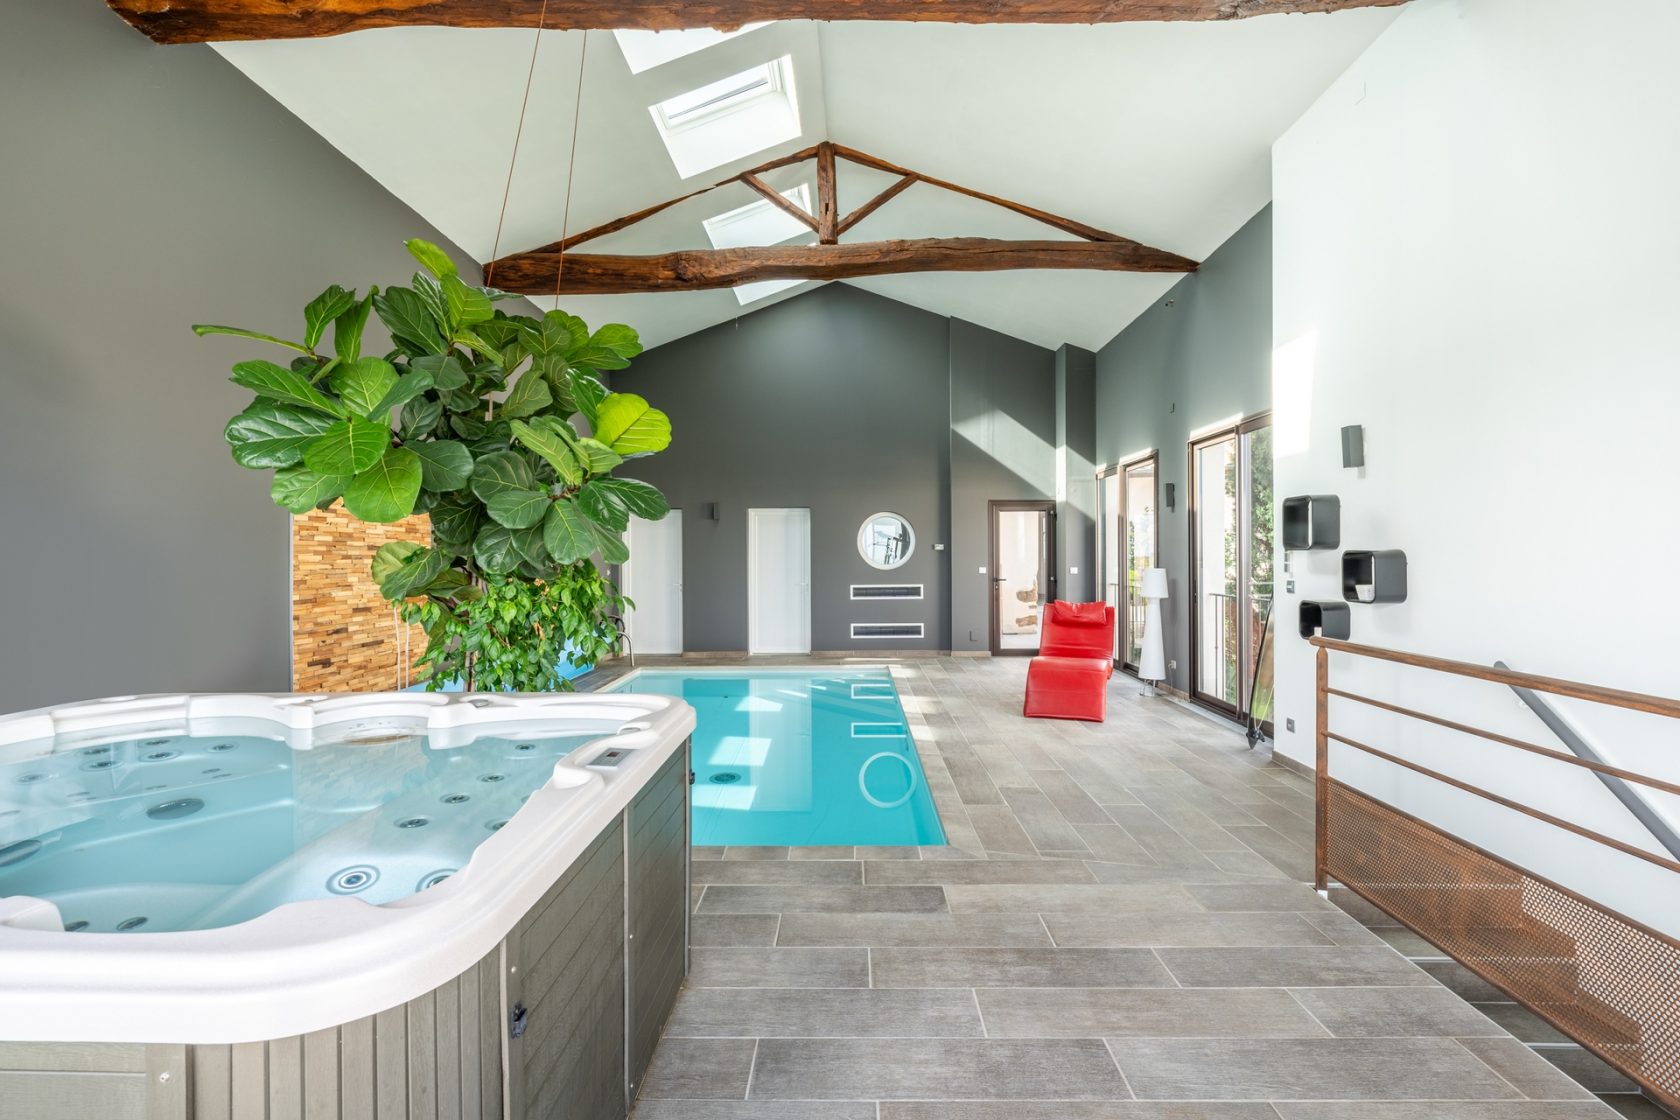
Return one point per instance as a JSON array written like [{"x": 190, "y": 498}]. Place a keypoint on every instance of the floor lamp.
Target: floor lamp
[{"x": 1152, "y": 664}]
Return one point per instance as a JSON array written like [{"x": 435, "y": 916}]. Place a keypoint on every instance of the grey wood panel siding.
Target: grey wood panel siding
[
  {"x": 441, "y": 1055},
  {"x": 570, "y": 1060},
  {"x": 402, "y": 1064},
  {"x": 658, "y": 903}
]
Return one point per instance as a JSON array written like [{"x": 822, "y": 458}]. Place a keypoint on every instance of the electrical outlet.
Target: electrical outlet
[
  {"x": 1172, "y": 665},
  {"x": 1073, "y": 571},
  {"x": 1290, "y": 587},
  {"x": 1289, "y": 725}
]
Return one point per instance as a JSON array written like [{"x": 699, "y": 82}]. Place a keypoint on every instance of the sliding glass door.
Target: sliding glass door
[
  {"x": 1138, "y": 514},
  {"x": 1231, "y": 566}
]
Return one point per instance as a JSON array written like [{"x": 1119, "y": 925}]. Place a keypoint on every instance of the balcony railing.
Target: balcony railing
[{"x": 1606, "y": 980}]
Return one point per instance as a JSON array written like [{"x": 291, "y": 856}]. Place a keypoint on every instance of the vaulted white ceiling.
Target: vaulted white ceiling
[{"x": 1160, "y": 132}]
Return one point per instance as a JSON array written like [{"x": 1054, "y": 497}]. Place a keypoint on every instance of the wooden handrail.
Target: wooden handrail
[{"x": 1636, "y": 701}]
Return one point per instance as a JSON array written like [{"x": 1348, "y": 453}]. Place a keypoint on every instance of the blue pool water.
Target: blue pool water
[
  {"x": 174, "y": 832},
  {"x": 800, "y": 758}
]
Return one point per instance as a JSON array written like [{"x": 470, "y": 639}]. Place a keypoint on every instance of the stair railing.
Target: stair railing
[{"x": 1608, "y": 981}]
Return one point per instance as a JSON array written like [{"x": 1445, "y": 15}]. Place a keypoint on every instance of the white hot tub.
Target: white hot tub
[{"x": 189, "y": 884}]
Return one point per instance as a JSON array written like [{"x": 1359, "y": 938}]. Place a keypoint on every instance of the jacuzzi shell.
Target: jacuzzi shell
[{"x": 328, "y": 965}]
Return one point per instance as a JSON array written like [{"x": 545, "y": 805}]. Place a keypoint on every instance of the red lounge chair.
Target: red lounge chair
[{"x": 1069, "y": 677}]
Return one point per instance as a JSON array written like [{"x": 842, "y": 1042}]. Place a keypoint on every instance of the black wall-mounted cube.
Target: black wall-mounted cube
[
  {"x": 1333, "y": 619},
  {"x": 1383, "y": 571},
  {"x": 1312, "y": 522}
]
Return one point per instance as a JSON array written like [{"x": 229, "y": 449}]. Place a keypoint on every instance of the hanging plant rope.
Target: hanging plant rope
[
  {"x": 571, "y": 170},
  {"x": 518, "y": 132}
]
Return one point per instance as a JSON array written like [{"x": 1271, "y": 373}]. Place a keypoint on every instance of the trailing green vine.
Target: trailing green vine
[{"x": 497, "y": 426}]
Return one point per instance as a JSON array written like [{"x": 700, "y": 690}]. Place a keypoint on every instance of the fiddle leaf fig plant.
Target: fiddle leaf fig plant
[{"x": 498, "y": 427}]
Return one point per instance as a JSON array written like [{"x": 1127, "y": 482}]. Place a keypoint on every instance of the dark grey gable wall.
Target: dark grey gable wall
[
  {"x": 836, "y": 400},
  {"x": 849, "y": 404},
  {"x": 1201, "y": 354},
  {"x": 146, "y": 188}
]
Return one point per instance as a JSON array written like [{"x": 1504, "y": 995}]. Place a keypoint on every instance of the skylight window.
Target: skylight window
[
  {"x": 644, "y": 50},
  {"x": 760, "y": 223},
  {"x": 729, "y": 118}
]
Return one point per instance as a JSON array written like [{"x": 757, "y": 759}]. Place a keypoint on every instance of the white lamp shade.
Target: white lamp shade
[{"x": 1154, "y": 584}]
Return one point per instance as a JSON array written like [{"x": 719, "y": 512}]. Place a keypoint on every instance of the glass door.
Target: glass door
[
  {"x": 1113, "y": 559},
  {"x": 1023, "y": 566},
  {"x": 1138, "y": 516},
  {"x": 1231, "y": 564}
]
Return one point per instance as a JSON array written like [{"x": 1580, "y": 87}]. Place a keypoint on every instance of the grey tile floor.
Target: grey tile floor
[{"x": 1120, "y": 929}]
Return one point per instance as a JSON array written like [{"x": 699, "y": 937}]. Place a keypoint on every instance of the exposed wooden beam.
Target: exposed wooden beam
[
  {"x": 1054, "y": 221},
  {"x": 828, "y": 205},
  {"x": 698, "y": 269},
  {"x": 631, "y": 219},
  {"x": 877, "y": 202},
  {"x": 777, "y": 199},
  {"x": 199, "y": 21}
]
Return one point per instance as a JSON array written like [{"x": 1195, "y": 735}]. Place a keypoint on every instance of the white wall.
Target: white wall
[{"x": 1477, "y": 257}]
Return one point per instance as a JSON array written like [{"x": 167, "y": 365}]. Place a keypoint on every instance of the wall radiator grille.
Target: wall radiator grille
[
  {"x": 886, "y": 591},
  {"x": 886, "y": 630}
]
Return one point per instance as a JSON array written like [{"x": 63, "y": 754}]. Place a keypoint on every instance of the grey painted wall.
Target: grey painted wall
[
  {"x": 147, "y": 188},
  {"x": 1003, "y": 446},
  {"x": 835, "y": 400},
  {"x": 1076, "y": 444},
  {"x": 1203, "y": 353},
  {"x": 848, "y": 403}
]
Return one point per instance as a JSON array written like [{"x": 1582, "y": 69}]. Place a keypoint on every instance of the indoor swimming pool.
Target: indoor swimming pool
[{"x": 800, "y": 757}]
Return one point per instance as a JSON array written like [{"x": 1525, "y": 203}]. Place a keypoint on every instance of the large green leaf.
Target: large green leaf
[
  {"x": 407, "y": 387},
  {"x": 630, "y": 426},
  {"x": 300, "y": 489},
  {"x": 494, "y": 549},
  {"x": 602, "y": 507},
  {"x": 444, "y": 464},
  {"x": 413, "y": 575},
  {"x": 269, "y": 434},
  {"x": 557, "y": 332},
  {"x": 588, "y": 393},
  {"x": 638, "y": 497},
  {"x": 566, "y": 532},
  {"x": 269, "y": 380},
  {"x": 387, "y": 558},
  {"x": 347, "y": 329},
  {"x": 446, "y": 370},
  {"x": 454, "y": 523},
  {"x": 598, "y": 458},
  {"x": 322, "y": 310},
  {"x": 609, "y": 544},
  {"x": 435, "y": 259},
  {"x": 531, "y": 548},
  {"x": 501, "y": 471},
  {"x": 430, "y": 292},
  {"x": 518, "y": 509},
  {"x": 419, "y": 417},
  {"x": 545, "y": 438},
  {"x": 363, "y": 383},
  {"x": 202, "y": 329},
  {"x": 348, "y": 447},
  {"x": 529, "y": 395},
  {"x": 467, "y": 306},
  {"x": 412, "y": 327},
  {"x": 385, "y": 491}
]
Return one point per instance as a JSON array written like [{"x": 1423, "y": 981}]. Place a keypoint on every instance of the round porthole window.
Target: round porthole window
[{"x": 886, "y": 540}]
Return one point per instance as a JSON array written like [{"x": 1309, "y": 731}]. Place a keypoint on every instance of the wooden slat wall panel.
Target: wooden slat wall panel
[
  {"x": 344, "y": 638},
  {"x": 109, "y": 1096},
  {"x": 571, "y": 1059},
  {"x": 658, "y": 900}
]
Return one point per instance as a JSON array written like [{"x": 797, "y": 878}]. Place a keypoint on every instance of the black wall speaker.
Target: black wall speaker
[
  {"x": 1353, "y": 446},
  {"x": 1167, "y": 494}
]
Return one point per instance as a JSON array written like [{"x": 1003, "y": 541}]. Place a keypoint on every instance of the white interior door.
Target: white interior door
[
  {"x": 653, "y": 580},
  {"x": 779, "y": 581}
]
